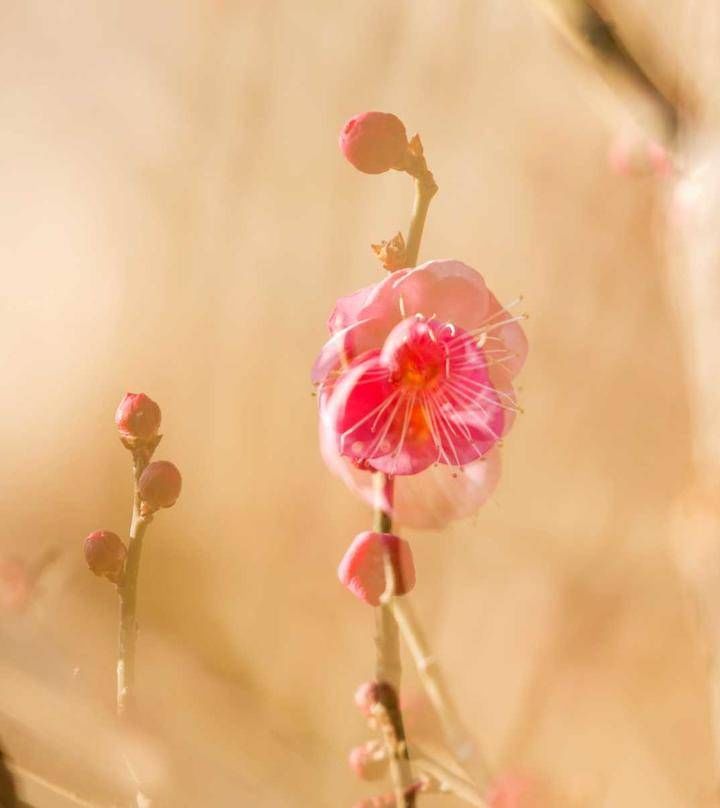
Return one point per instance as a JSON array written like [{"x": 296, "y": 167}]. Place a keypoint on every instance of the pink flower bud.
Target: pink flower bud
[
  {"x": 362, "y": 569},
  {"x": 105, "y": 554},
  {"x": 512, "y": 791},
  {"x": 374, "y": 142},
  {"x": 137, "y": 416},
  {"x": 366, "y": 697},
  {"x": 369, "y": 761},
  {"x": 16, "y": 584},
  {"x": 159, "y": 485}
]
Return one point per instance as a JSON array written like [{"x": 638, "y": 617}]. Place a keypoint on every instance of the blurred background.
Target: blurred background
[{"x": 176, "y": 218}]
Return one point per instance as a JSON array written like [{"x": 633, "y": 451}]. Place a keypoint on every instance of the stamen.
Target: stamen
[{"x": 377, "y": 443}]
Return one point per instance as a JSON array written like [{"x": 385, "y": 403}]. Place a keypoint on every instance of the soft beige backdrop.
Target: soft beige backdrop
[{"x": 175, "y": 217}]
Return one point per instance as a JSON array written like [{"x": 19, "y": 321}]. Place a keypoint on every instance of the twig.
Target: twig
[
  {"x": 127, "y": 592},
  {"x": 449, "y": 782},
  {"x": 388, "y": 666},
  {"x": 434, "y": 683},
  {"x": 25, "y": 775},
  {"x": 594, "y": 38}
]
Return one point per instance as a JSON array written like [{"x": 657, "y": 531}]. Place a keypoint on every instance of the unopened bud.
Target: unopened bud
[
  {"x": 366, "y": 697},
  {"x": 374, "y": 142},
  {"x": 138, "y": 416},
  {"x": 105, "y": 554},
  {"x": 362, "y": 569},
  {"x": 369, "y": 761},
  {"x": 159, "y": 485}
]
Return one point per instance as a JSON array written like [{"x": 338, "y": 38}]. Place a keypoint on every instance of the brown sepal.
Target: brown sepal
[{"x": 391, "y": 253}]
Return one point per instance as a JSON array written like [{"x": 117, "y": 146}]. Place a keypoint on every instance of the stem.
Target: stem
[
  {"x": 425, "y": 190},
  {"x": 449, "y": 782},
  {"x": 128, "y": 621},
  {"x": 388, "y": 666},
  {"x": 433, "y": 681},
  {"x": 127, "y": 593}
]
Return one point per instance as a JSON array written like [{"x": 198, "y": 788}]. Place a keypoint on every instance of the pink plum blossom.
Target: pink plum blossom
[{"x": 417, "y": 377}]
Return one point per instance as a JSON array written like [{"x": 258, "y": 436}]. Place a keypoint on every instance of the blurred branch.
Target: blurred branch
[
  {"x": 595, "y": 39},
  {"x": 62, "y": 797},
  {"x": 450, "y": 783},
  {"x": 433, "y": 681}
]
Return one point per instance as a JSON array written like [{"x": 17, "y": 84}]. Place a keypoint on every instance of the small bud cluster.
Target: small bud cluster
[{"x": 158, "y": 483}]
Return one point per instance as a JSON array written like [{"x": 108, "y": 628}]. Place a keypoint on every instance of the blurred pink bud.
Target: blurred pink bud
[
  {"x": 159, "y": 485},
  {"x": 16, "y": 584},
  {"x": 362, "y": 569},
  {"x": 369, "y": 761},
  {"x": 374, "y": 142},
  {"x": 633, "y": 154},
  {"x": 137, "y": 416},
  {"x": 105, "y": 554},
  {"x": 366, "y": 697},
  {"x": 388, "y": 800},
  {"x": 512, "y": 791}
]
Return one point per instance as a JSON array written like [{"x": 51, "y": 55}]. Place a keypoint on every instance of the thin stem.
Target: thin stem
[
  {"x": 128, "y": 621},
  {"x": 434, "y": 682},
  {"x": 425, "y": 190},
  {"x": 127, "y": 593},
  {"x": 388, "y": 667},
  {"x": 449, "y": 782}
]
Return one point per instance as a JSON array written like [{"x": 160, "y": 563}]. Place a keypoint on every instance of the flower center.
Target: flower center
[{"x": 414, "y": 355}]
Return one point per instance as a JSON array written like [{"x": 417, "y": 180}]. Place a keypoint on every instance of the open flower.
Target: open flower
[{"x": 417, "y": 376}]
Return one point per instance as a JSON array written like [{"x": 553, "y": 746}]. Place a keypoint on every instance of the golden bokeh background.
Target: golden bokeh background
[{"x": 176, "y": 218}]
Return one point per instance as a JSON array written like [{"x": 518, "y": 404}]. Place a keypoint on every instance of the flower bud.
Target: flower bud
[
  {"x": 362, "y": 569},
  {"x": 16, "y": 584},
  {"x": 159, "y": 485},
  {"x": 105, "y": 554},
  {"x": 374, "y": 142},
  {"x": 513, "y": 791},
  {"x": 366, "y": 697},
  {"x": 138, "y": 416},
  {"x": 369, "y": 761}
]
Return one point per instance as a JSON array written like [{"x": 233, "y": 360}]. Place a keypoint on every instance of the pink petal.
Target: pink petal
[
  {"x": 344, "y": 346},
  {"x": 443, "y": 494},
  {"x": 511, "y": 335},
  {"x": 450, "y": 290},
  {"x": 347, "y": 309},
  {"x": 362, "y": 409},
  {"x": 427, "y": 501},
  {"x": 377, "y": 422}
]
